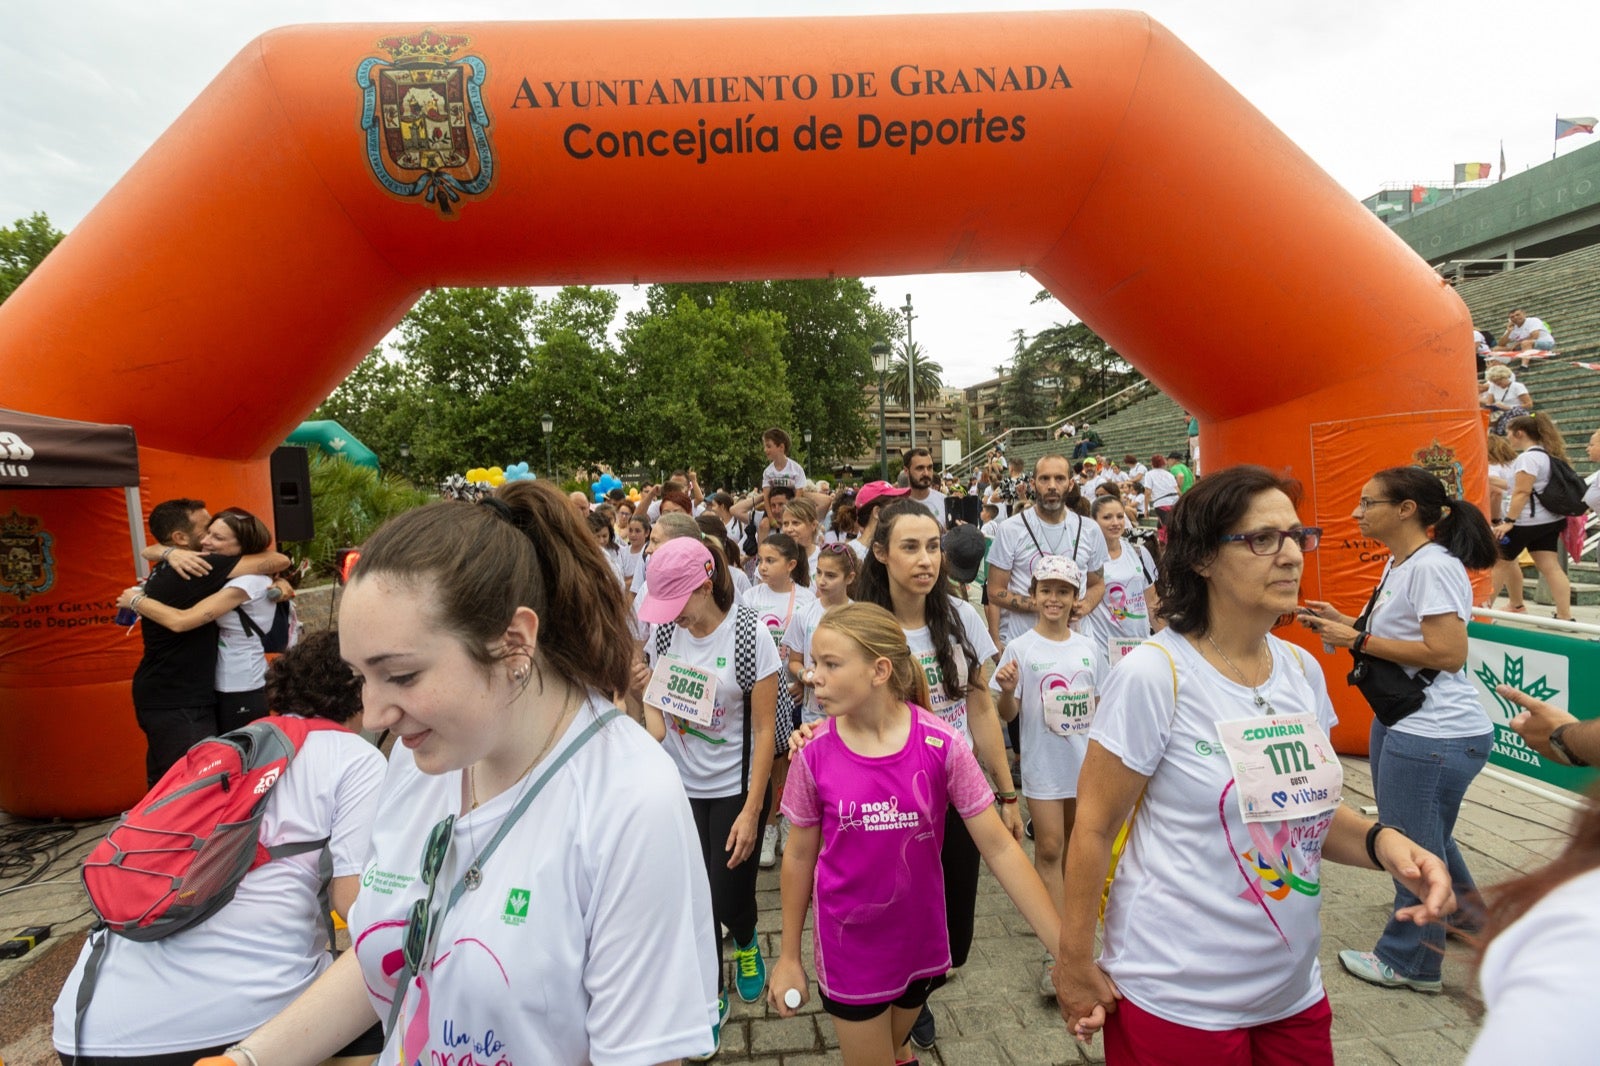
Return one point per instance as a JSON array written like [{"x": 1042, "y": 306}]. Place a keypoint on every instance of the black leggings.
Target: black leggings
[
  {"x": 733, "y": 892},
  {"x": 959, "y": 856}
]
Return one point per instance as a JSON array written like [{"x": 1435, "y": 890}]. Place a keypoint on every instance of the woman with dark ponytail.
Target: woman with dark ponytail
[
  {"x": 522, "y": 819},
  {"x": 1424, "y": 752},
  {"x": 1528, "y": 523}
]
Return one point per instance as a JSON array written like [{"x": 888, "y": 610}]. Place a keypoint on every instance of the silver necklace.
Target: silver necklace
[
  {"x": 1255, "y": 690},
  {"x": 474, "y": 875}
]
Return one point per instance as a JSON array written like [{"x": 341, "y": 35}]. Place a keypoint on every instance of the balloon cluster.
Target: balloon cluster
[
  {"x": 605, "y": 484},
  {"x": 495, "y": 476},
  {"x": 480, "y": 481}
]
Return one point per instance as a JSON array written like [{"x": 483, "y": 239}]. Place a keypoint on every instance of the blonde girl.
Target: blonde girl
[{"x": 881, "y": 761}]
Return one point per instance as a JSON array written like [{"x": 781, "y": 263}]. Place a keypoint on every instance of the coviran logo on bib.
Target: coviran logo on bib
[{"x": 427, "y": 131}]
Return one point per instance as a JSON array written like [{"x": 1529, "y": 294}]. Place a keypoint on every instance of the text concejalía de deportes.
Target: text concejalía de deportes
[{"x": 746, "y": 136}]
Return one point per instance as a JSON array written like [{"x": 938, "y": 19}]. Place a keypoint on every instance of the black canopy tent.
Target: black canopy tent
[{"x": 39, "y": 452}]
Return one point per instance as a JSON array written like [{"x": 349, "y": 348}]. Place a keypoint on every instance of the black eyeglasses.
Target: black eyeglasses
[
  {"x": 419, "y": 923},
  {"x": 1270, "y": 541}
]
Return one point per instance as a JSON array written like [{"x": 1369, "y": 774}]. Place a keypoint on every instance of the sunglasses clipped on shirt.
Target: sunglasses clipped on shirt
[{"x": 419, "y": 922}]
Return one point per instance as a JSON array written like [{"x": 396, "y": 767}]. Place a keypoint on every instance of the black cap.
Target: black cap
[{"x": 964, "y": 548}]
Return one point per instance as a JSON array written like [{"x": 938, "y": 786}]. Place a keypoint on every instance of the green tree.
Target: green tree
[
  {"x": 701, "y": 384},
  {"x": 23, "y": 247},
  {"x": 469, "y": 341},
  {"x": 474, "y": 371},
  {"x": 1024, "y": 400},
  {"x": 829, "y": 326},
  {"x": 927, "y": 375}
]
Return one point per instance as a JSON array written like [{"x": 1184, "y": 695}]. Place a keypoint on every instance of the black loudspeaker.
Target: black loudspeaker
[
  {"x": 291, "y": 494},
  {"x": 963, "y": 509}
]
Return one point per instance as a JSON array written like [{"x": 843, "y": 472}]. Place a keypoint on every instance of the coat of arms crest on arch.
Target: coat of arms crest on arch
[{"x": 426, "y": 127}]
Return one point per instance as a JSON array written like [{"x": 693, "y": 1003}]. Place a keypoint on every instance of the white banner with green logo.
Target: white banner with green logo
[{"x": 1561, "y": 670}]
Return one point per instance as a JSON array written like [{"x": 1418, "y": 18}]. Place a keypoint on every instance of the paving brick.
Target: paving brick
[
  {"x": 784, "y": 1035},
  {"x": 1422, "y": 1049},
  {"x": 1360, "y": 1053},
  {"x": 982, "y": 1051}
]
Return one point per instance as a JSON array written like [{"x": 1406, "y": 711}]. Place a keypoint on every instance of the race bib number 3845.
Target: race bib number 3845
[{"x": 682, "y": 690}]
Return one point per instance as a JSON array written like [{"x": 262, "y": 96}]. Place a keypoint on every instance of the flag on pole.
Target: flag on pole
[
  {"x": 1588, "y": 366},
  {"x": 1466, "y": 172},
  {"x": 1424, "y": 194},
  {"x": 1566, "y": 127},
  {"x": 1502, "y": 176}
]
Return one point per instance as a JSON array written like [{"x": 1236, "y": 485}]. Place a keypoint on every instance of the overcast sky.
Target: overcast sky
[{"x": 1374, "y": 92}]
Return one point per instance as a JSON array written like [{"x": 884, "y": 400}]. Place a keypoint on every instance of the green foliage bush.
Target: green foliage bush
[{"x": 348, "y": 502}]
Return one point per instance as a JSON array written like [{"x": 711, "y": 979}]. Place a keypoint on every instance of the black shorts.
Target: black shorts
[
  {"x": 368, "y": 1043},
  {"x": 1540, "y": 538},
  {"x": 915, "y": 995}
]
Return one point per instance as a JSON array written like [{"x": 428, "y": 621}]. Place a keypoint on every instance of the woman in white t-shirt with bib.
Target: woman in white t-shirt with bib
[
  {"x": 1531, "y": 525},
  {"x": 1423, "y": 758},
  {"x": 709, "y": 696},
  {"x": 524, "y": 821},
  {"x": 1213, "y": 737}
]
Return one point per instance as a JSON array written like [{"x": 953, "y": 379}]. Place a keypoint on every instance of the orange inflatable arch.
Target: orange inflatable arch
[{"x": 332, "y": 174}]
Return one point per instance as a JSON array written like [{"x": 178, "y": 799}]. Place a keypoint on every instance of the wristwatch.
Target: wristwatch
[{"x": 1564, "y": 753}]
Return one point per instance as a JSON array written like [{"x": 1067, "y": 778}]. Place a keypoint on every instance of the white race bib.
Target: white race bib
[
  {"x": 1117, "y": 647},
  {"x": 683, "y": 691},
  {"x": 1283, "y": 767},
  {"x": 1068, "y": 712}
]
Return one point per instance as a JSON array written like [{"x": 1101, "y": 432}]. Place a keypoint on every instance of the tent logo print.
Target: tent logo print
[
  {"x": 1513, "y": 670},
  {"x": 516, "y": 912}
]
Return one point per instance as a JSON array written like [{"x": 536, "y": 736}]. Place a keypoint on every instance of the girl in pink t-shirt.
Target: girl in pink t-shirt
[{"x": 867, "y": 797}]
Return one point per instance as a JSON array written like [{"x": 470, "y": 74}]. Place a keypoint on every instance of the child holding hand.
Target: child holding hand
[{"x": 867, "y": 797}]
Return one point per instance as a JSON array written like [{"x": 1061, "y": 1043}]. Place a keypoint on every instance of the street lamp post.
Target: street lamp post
[
  {"x": 880, "y": 363},
  {"x": 547, "y": 424},
  {"x": 911, "y": 373},
  {"x": 807, "y": 436}
]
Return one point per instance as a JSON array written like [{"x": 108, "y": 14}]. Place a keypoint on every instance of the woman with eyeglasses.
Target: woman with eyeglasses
[
  {"x": 524, "y": 822},
  {"x": 1212, "y": 736},
  {"x": 1426, "y": 748}
]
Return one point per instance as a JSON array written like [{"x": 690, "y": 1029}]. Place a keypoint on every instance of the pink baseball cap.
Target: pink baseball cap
[
  {"x": 873, "y": 490},
  {"x": 677, "y": 569}
]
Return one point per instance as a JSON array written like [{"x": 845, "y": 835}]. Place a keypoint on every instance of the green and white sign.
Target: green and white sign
[{"x": 1561, "y": 670}]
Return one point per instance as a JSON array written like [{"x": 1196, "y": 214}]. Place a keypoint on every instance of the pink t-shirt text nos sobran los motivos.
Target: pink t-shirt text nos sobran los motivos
[{"x": 879, "y": 888}]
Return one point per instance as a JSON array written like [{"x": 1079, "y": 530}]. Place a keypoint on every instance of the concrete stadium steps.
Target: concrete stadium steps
[
  {"x": 1153, "y": 424},
  {"x": 1565, "y": 292},
  {"x": 1568, "y": 394}
]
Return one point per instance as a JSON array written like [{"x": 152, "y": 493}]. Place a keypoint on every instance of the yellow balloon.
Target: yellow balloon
[
  {"x": 496, "y": 479},
  {"x": 477, "y": 473},
  {"x": 495, "y": 471}
]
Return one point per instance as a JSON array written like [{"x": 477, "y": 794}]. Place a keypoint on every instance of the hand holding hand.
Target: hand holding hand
[{"x": 1085, "y": 996}]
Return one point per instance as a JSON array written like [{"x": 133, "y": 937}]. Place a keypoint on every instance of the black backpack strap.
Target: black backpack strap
[
  {"x": 250, "y": 627},
  {"x": 664, "y": 634},
  {"x": 745, "y": 634}
]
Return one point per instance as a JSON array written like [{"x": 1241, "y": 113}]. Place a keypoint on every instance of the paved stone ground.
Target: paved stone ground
[{"x": 989, "y": 1014}]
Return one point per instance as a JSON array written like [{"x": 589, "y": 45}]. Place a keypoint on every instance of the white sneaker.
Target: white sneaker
[
  {"x": 783, "y": 835},
  {"x": 769, "y": 847}
]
